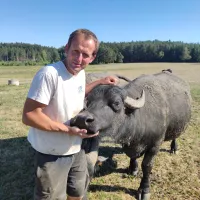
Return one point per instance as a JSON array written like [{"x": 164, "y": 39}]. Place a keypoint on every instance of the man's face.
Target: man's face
[{"x": 79, "y": 54}]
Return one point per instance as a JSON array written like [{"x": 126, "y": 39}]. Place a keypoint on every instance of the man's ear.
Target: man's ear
[
  {"x": 93, "y": 57},
  {"x": 66, "y": 48}
]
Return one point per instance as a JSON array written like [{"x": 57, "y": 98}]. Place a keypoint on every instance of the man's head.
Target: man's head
[{"x": 81, "y": 50}]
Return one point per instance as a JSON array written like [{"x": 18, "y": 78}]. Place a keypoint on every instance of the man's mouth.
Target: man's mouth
[{"x": 77, "y": 64}]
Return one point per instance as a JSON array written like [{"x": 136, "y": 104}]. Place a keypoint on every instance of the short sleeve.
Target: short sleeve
[{"x": 42, "y": 87}]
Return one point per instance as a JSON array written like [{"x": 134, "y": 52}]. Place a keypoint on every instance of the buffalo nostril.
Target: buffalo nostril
[{"x": 89, "y": 120}]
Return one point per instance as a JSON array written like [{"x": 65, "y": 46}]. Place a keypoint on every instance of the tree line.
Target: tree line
[
  {"x": 27, "y": 54},
  {"x": 115, "y": 52}
]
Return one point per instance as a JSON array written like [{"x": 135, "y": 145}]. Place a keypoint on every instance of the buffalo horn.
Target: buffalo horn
[{"x": 132, "y": 103}]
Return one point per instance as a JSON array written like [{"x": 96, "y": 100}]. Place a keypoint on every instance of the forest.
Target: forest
[{"x": 109, "y": 52}]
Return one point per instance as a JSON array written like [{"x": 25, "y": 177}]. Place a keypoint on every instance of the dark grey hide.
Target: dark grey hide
[
  {"x": 141, "y": 115},
  {"x": 91, "y": 146}
]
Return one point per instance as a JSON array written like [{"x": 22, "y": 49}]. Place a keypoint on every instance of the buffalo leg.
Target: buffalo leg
[
  {"x": 147, "y": 165},
  {"x": 174, "y": 146},
  {"x": 133, "y": 167},
  {"x": 91, "y": 147}
]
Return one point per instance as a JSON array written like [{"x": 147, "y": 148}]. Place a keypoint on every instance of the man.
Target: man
[{"x": 56, "y": 95}]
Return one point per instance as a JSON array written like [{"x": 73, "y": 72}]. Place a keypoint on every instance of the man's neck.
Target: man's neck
[{"x": 68, "y": 69}]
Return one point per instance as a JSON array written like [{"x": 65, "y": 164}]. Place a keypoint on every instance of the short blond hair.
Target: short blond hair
[{"x": 87, "y": 34}]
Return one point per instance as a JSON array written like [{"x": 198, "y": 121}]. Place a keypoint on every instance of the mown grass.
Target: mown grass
[{"x": 174, "y": 177}]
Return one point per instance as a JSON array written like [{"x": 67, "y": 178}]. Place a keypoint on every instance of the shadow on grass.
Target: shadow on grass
[
  {"x": 110, "y": 165},
  {"x": 165, "y": 150},
  {"x": 108, "y": 151},
  {"x": 108, "y": 188},
  {"x": 16, "y": 169}
]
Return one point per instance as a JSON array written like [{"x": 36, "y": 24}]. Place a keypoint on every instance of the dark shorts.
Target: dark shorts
[{"x": 57, "y": 176}]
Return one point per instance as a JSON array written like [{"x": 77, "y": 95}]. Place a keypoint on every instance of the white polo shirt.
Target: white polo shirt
[{"x": 63, "y": 93}]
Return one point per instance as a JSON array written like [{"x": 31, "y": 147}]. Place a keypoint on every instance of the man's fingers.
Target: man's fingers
[
  {"x": 114, "y": 80},
  {"x": 97, "y": 133},
  {"x": 83, "y": 131},
  {"x": 92, "y": 135},
  {"x": 85, "y": 135}
]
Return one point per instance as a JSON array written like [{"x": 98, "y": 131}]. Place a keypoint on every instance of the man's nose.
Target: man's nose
[{"x": 79, "y": 56}]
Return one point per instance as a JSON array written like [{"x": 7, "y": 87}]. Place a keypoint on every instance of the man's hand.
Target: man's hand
[
  {"x": 110, "y": 80},
  {"x": 81, "y": 132}
]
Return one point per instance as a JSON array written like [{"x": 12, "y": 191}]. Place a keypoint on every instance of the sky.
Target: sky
[{"x": 50, "y": 22}]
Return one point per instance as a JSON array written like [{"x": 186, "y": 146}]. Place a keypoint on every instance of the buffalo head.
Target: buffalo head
[{"x": 106, "y": 105}]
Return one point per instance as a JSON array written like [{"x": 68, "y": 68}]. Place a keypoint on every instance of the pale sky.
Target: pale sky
[{"x": 49, "y": 23}]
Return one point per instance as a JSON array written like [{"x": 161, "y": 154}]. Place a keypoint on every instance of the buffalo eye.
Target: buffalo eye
[{"x": 116, "y": 105}]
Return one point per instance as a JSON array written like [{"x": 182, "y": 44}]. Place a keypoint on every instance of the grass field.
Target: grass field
[{"x": 174, "y": 177}]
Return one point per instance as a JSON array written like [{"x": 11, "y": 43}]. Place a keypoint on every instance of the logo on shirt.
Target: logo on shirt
[{"x": 80, "y": 89}]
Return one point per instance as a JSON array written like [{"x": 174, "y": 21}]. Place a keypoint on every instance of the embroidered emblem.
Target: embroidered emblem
[{"x": 80, "y": 89}]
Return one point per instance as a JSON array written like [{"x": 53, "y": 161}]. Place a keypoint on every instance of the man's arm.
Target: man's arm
[
  {"x": 34, "y": 117},
  {"x": 109, "y": 80}
]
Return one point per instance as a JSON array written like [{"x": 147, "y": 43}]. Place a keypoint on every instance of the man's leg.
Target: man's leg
[
  {"x": 78, "y": 178},
  {"x": 51, "y": 176}
]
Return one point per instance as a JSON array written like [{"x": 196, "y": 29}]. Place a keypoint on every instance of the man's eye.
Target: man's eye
[
  {"x": 75, "y": 52},
  {"x": 85, "y": 55}
]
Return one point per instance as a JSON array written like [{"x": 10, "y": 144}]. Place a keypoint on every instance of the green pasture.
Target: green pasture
[{"x": 174, "y": 177}]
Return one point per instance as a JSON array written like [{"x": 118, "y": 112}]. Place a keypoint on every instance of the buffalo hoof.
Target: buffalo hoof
[
  {"x": 174, "y": 152},
  {"x": 142, "y": 195},
  {"x": 133, "y": 173}
]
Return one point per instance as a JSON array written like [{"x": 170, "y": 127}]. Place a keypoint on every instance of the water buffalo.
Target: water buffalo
[
  {"x": 90, "y": 77},
  {"x": 141, "y": 115},
  {"x": 91, "y": 146}
]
